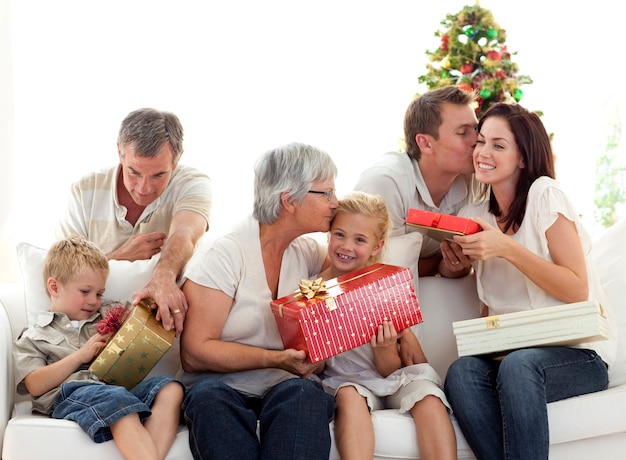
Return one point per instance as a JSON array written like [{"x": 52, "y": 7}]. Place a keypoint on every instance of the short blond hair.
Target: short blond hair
[
  {"x": 369, "y": 206},
  {"x": 69, "y": 258}
]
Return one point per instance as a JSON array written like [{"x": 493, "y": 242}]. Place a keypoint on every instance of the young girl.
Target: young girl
[
  {"x": 52, "y": 356},
  {"x": 532, "y": 253},
  {"x": 363, "y": 378}
]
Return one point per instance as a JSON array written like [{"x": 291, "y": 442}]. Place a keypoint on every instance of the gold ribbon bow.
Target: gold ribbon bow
[{"x": 312, "y": 288}]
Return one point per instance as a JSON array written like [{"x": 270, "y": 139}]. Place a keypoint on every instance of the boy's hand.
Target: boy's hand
[{"x": 92, "y": 347}]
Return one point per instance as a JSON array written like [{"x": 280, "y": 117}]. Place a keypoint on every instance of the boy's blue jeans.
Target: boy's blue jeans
[
  {"x": 501, "y": 406},
  {"x": 293, "y": 416}
]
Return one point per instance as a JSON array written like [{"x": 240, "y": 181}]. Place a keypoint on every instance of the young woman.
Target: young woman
[{"x": 533, "y": 253}]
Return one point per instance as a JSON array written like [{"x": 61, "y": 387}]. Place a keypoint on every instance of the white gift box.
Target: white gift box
[{"x": 566, "y": 324}]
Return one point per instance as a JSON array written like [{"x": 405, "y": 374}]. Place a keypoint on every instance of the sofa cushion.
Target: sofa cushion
[
  {"x": 124, "y": 278},
  {"x": 609, "y": 254}
]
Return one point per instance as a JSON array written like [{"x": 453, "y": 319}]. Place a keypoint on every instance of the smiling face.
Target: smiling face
[
  {"x": 145, "y": 178},
  {"x": 78, "y": 298},
  {"x": 497, "y": 160},
  {"x": 352, "y": 241}
]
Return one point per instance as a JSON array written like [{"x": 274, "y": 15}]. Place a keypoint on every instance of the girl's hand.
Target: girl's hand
[
  {"x": 385, "y": 347},
  {"x": 385, "y": 337}
]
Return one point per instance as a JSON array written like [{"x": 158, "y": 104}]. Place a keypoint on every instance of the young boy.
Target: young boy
[{"x": 52, "y": 358}]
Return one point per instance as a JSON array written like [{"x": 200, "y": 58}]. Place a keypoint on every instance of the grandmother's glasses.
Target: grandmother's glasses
[{"x": 329, "y": 195}]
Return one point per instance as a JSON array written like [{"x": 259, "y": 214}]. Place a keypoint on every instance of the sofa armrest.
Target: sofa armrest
[
  {"x": 7, "y": 387},
  {"x": 12, "y": 296}
]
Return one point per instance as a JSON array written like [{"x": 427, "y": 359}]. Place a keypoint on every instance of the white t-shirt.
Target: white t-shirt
[
  {"x": 233, "y": 264},
  {"x": 505, "y": 289}
]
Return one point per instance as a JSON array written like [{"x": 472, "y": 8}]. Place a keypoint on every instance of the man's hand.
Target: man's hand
[
  {"x": 139, "y": 247},
  {"x": 169, "y": 300}
]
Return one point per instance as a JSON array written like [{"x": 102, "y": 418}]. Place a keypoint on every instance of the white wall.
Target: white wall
[
  {"x": 7, "y": 158},
  {"x": 246, "y": 75}
]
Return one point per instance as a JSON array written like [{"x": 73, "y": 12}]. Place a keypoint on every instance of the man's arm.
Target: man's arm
[{"x": 185, "y": 230}]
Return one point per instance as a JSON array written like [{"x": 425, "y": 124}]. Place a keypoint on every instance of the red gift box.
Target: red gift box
[
  {"x": 441, "y": 226},
  {"x": 348, "y": 311}
]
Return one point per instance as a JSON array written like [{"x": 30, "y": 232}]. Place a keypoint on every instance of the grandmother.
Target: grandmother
[{"x": 231, "y": 350}]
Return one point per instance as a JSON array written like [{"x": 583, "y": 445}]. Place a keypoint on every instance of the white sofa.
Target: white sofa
[{"x": 590, "y": 426}]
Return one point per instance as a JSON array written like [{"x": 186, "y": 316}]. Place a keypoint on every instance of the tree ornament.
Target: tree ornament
[
  {"x": 494, "y": 55},
  {"x": 518, "y": 94},
  {"x": 444, "y": 43},
  {"x": 492, "y": 33},
  {"x": 466, "y": 68},
  {"x": 485, "y": 93}
]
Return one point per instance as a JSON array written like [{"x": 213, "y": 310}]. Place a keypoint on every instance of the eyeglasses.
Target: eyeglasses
[{"x": 329, "y": 195}]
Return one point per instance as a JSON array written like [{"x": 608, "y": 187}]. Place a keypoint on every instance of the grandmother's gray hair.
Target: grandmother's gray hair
[{"x": 290, "y": 168}]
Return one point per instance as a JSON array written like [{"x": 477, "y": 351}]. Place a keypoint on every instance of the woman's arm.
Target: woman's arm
[
  {"x": 564, "y": 279},
  {"x": 203, "y": 351}
]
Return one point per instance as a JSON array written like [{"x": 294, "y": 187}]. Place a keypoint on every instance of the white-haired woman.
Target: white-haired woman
[{"x": 231, "y": 350}]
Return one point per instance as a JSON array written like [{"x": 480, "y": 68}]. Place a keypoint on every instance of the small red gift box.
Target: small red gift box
[
  {"x": 347, "y": 311},
  {"x": 441, "y": 226}
]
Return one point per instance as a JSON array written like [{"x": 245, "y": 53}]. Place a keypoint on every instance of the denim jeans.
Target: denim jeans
[
  {"x": 293, "y": 416},
  {"x": 95, "y": 407},
  {"x": 501, "y": 406}
]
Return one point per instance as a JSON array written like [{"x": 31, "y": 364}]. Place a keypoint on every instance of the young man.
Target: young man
[
  {"x": 433, "y": 174},
  {"x": 147, "y": 204}
]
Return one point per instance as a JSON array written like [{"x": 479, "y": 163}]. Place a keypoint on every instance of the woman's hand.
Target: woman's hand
[
  {"x": 489, "y": 243},
  {"x": 296, "y": 362}
]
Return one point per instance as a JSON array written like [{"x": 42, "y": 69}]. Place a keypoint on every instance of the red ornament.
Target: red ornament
[
  {"x": 466, "y": 68},
  {"x": 444, "y": 43},
  {"x": 113, "y": 320},
  {"x": 494, "y": 55},
  {"x": 501, "y": 74},
  {"x": 466, "y": 86}
]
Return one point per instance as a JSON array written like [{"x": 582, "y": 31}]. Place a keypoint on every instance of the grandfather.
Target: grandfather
[{"x": 148, "y": 204}]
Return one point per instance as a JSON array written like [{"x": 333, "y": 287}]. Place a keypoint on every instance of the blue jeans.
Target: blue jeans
[
  {"x": 95, "y": 407},
  {"x": 293, "y": 416},
  {"x": 501, "y": 406}
]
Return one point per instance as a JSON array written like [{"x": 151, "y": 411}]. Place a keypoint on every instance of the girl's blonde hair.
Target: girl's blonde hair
[
  {"x": 70, "y": 257},
  {"x": 369, "y": 206}
]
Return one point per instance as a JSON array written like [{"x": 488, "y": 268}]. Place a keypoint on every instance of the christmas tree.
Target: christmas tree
[{"x": 473, "y": 55}]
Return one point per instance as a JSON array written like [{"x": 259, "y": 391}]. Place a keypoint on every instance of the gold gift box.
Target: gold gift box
[{"x": 134, "y": 349}]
